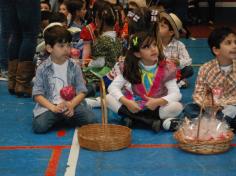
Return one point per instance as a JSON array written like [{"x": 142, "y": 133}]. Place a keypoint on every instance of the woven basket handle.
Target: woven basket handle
[
  {"x": 201, "y": 112},
  {"x": 103, "y": 101}
]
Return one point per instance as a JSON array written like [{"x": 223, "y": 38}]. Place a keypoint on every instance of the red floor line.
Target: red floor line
[
  {"x": 53, "y": 162},
  {"x": 153, "y": 145},
  {"x": 68, "y": 146},
  {"x": 34, "y": 147},
  {"x": 159, "y": 145}
]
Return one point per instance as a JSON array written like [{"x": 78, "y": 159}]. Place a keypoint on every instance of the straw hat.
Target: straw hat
[
  {"x": 174, "y": 21},
  {"x": 140, "y": 3},
  {"x": 111, "y": 1}
]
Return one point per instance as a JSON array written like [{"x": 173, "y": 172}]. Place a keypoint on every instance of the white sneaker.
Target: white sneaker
[
  {"x": 93, "y": 102},
  {"x": 183, "y": 84}
]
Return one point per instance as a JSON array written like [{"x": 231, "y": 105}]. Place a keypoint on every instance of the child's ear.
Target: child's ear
[
  {"x": 215, "y": 50},
  {"x": 172, "y": 33},
  {"x": 137, "y": 54},
  {"x": 48, "y": 48}
]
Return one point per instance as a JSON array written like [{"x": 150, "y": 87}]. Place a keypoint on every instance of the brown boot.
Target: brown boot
[
  {"x": 25, "y": 73},
  {"x": 12, "y": 67}
]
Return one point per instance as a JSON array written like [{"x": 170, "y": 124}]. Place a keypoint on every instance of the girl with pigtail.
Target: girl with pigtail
[
  {"x": 153, "y": 96},
  {"x": 107, "y": 47}
]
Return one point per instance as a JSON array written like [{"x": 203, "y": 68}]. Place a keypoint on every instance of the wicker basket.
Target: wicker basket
[
  {"x": 203, "y": 147},
  {"x": 104, "y": 137}
]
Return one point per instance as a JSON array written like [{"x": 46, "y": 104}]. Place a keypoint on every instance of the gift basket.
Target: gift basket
[
  {"x": 205, "y": 134},
  {"x": 104, "y": 137}
]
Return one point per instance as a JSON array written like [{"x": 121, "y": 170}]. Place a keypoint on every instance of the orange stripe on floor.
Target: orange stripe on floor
[{"x": 53, "y": 162}]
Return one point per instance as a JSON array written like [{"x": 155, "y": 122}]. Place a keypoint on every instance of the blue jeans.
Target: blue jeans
[
  {"x": 192, "y": 110},
  {"x": 83, "y": 115},
  {"x": 19, "y": 27}
]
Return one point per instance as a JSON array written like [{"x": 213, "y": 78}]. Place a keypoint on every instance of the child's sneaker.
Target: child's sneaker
[
  {"x": 171, "y": 124},
  {"x": 93, "y": 102},
  {"x": 183, "y": 84}
]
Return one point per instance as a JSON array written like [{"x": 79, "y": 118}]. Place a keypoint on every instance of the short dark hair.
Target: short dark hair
[
  {"x": 217, "y": 36},
  {"x": 57, "y": 34},
  {"x": 45, "y": 15},
  {"x": 57, "y": 17}
]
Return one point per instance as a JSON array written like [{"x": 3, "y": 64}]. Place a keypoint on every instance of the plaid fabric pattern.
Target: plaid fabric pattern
[
  {"x": 176, "y": 49},
  {"x": 210, "y": 76}
]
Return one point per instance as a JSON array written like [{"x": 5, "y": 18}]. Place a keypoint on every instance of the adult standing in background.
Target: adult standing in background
[{"x": 19, "y": 27}]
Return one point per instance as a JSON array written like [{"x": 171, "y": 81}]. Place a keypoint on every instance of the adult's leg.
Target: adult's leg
[
  {"x": 5, "y": 13},
  {"x": 28, "y": 13},
  {"x": 211, "y": 6}
]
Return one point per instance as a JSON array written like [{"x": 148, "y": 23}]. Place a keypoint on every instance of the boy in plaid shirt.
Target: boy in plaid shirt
[{"x": 216, "y": 81}]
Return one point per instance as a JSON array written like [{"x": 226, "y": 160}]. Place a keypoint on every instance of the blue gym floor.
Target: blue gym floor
[{"x": 23, "y": 153}]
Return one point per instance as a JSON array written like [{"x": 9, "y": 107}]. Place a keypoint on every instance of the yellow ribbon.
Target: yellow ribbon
[{"x": 149, "y": 75}]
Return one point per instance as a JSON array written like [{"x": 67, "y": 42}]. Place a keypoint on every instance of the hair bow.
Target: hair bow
[
  {"x": 154, "y": 15},
  {"x": 133, "y": 16},
  {"x": 135, "y": 41}
]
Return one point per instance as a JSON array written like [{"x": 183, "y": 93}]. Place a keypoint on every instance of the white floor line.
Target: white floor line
[{"x": 73, "y": 156}]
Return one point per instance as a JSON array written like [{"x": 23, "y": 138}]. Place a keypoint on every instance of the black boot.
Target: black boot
[{"x": 130, "y": 118}]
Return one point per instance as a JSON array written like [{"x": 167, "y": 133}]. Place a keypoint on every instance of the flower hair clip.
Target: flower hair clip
[
  {"x": 154, "y": 15},
  {"x": 133, "y": 16}
]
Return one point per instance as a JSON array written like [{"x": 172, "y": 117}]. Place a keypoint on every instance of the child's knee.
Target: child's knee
[
  {"x": 171, "y": 110},
  {"x": 39, "y": 126}
]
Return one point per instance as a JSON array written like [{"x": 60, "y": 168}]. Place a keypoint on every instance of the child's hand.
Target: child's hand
[
  {"x": 57, "y": 109},
  {"x": 175, "y": 61},
  {"x": 70, "y": 110},
  {"x": 151, "y": 103},
  {"x": 133, "y": 106}
]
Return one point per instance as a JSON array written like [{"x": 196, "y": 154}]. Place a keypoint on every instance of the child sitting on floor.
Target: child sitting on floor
[
  {"x": 55, "y": 73},
  {"x": 175, "y": 50},
  {"x": 216, "y": 81},
  {"x": 154, "y": 98}
]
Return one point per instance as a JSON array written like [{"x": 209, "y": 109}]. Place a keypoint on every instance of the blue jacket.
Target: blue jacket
[{"x": 44, "y": 76}]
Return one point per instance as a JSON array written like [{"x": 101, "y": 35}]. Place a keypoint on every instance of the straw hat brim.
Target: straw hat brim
[{"x": 172, "y": 23}]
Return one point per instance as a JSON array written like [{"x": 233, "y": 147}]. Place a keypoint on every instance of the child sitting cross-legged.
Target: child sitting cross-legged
[
  {"x": 153, "y": 96},
  {"x": 59, "y": 88},
  {"x": 216, "y": 80}
]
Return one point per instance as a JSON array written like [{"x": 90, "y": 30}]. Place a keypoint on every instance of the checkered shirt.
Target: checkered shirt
[{"x": 210, "y": 76}]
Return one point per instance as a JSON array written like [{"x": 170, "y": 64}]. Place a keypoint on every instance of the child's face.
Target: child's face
[
  {"x": 44, "y": 7},
  {"x": 164, "y": 30},
  {"x": 227, "y": 50},
  {"x": 83, "y": 11},
  {"x": 63, "y": 9},
  {"x": 59, "y": 52},
  {"x": 148, "y": 53}
]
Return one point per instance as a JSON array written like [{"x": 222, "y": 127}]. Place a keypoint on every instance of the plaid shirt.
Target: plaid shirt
[
  {"x": 177, "y": 49},
  {"x": 210, "y": 76}
]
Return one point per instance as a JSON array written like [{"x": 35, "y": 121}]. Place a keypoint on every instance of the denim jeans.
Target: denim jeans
[
  {"x": 44, "y": 122},
  {"x": 192, "y": 110},
  {"x": 19, "y": 27}
]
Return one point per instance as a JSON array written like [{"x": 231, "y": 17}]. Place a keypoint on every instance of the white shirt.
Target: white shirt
[
  {"x": 59, "y": 81},
  {"x": 115, "y": 89}
]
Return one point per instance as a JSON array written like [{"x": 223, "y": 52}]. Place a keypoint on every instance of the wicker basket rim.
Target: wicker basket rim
[{"x": 179, "y": 138}]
